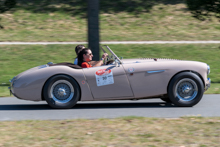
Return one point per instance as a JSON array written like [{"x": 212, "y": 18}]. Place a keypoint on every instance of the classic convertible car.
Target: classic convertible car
[{"x": 62, "y": 85}]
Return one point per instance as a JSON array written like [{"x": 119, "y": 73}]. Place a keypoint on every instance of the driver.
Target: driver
[{"x": 86, "y": 55}]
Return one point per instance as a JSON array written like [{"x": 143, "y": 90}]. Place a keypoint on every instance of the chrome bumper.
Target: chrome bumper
[{"x": 208, "y": 84}]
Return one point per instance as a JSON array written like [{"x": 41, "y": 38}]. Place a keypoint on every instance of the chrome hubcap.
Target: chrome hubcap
[
  {"x": 186, "y": 89},
  {"x": 62, "y": 91}
]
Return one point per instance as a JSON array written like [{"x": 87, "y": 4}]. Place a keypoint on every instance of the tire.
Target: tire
[
  {"x": 61, "y": 91},
  {"x": 185, "y": 89}
]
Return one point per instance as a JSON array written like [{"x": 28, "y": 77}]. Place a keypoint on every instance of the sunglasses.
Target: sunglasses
[{"x": 90, "y": 54}]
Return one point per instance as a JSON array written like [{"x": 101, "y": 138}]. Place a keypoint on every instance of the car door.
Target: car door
[
  {"x": 148, "y": 78},
  {"x": 108, "y": 82}
]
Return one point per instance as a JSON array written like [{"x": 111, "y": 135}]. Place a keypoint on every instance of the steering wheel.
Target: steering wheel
[{"x": 109, "y": 62}]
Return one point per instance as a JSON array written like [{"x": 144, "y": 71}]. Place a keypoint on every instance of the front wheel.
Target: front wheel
[
  {"x": 186, "y": 89},
  {"x": 61, "y": 91}
]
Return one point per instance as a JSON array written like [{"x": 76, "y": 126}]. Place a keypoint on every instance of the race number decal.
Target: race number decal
[{"x": 104, "y": 77}]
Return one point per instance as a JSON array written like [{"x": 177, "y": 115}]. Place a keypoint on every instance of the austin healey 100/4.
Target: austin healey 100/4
[{"x": 62, "y": 85}]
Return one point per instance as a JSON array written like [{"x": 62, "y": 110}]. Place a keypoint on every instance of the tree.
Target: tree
[
  {"x": 6, "y": 5},
  {"x": 203, "y": 9}
]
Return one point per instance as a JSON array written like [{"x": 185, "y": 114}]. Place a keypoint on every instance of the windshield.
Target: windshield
[{"x": 111, "y": 54}]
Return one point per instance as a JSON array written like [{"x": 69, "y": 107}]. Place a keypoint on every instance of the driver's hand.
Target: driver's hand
[{"x": 104, "y": 55}]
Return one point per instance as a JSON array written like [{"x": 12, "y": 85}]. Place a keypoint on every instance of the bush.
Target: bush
[
  {"x": 203, "y": 9},
  {"x": 6, "y": 5}
]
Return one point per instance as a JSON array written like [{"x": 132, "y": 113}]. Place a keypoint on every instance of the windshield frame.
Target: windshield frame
[{"x": 116, "y": 59}]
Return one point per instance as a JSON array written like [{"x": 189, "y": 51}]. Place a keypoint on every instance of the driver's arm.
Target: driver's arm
[{"x": 100, "y": 62}]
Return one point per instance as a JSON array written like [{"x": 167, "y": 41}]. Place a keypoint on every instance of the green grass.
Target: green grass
[
  {"x": 119, "y": 20},
  {"x": 4, "y": 92},
  {"x": 125, "y": 131},
  {"x": 214, "y": 89}
]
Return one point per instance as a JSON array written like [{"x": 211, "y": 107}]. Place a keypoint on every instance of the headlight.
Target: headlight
[{"x": 208, "y": 69}]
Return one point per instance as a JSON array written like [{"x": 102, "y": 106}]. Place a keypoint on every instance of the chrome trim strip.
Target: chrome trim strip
[{"x": 155, "y": 71}]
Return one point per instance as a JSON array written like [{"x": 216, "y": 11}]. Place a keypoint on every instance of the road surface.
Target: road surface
[{"x": 15, "y": 109}]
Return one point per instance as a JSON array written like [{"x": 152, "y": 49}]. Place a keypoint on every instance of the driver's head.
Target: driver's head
[
  {"x": 79, "y": 48},
  {"x": 84, "y": 56},
  {"x": 88, "y": 55}
]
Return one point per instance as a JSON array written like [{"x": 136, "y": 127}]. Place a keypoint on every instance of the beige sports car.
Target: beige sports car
[{"x": 62, "y": 85}]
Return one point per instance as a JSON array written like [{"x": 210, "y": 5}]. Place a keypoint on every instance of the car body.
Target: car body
[{"x": 62, "y": 85}]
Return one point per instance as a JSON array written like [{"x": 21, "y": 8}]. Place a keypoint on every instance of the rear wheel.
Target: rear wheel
[
  {"x": 186, "y": 89},
  {"x": 61, "y": 91}
]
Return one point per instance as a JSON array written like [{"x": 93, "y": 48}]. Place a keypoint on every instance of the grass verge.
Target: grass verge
[
  {"x": 125, "y": 131},
  {"x": 127, "y": 20},
  {"x": 4, "y": 92},
  {"x": 214, "y": 89}
]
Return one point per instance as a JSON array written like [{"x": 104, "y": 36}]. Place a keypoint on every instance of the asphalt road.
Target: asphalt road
[{"x": 15, "y": 109}]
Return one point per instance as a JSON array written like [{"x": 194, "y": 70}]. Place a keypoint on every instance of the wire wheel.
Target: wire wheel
[
  {"x": 62, "y": 91},
  {"x": 186, "y": 89}
]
